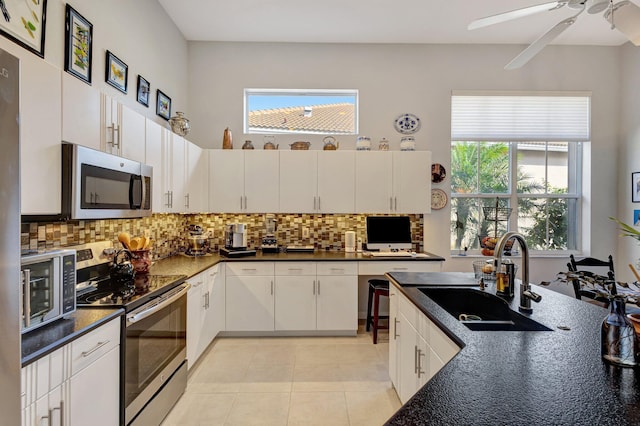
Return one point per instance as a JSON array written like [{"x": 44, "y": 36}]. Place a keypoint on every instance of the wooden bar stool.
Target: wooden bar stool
[{"x": 377, "y": 288}]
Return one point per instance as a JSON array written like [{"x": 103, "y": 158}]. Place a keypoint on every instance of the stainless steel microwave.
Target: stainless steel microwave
[
  {"x": 48, "y": 287},
  {"x": 97, "y": 185}
]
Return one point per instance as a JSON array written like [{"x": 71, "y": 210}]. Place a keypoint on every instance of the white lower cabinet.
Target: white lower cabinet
[
  {"x": 295, "y": 296},
  {"x": 205, "y": 311},
  {"x": 337, "y": 296},
  {"x": 249, "y": 294},
  {"x": 56, "y": 387},
  {"x": 418, "y": 349}
]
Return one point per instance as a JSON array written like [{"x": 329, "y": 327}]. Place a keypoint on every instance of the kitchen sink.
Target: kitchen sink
[{"x": 481, "y": 311}]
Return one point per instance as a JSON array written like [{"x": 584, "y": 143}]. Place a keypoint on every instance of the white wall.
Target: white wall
[
  {"x": 629, "y": 160},
  {"x": 138, "y": 32},
  {"x": 394, "y": 79}
]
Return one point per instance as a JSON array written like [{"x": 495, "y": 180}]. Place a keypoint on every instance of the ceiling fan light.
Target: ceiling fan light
[{"x": 596, "y": 6}]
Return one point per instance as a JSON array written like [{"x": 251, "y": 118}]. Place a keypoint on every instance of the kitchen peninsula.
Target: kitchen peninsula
[{"x": 520, "y": 377}]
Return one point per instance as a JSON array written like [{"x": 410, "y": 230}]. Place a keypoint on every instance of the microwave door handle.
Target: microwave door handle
[
  {"x": 133, "y": 183},
  {"x": 133, "y": 318},
  {"x": 26, "y": 273}
]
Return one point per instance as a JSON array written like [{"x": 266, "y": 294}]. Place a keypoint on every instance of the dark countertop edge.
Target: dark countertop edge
[
  {"x": 608, "y": 394},
  {"x": 84, "y": 320}
]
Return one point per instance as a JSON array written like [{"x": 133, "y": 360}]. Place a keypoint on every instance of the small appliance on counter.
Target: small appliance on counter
[
  {"x": 198, "y": 241},
  {"x": 309, "y": 248},
  {"x": 350, "y": 242},
  {"x": 270, "y": 242},
  {"x": 235, "y": 241}
]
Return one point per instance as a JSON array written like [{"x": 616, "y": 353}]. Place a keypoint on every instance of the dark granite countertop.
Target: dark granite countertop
[
  {"x": 186, "y": 265},
  {"x": 514, "y": 378},
  {"x": 46, "y": 339}
]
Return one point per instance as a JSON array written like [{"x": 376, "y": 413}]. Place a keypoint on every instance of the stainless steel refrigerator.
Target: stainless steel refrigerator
[{"x": 9, "y": 239}]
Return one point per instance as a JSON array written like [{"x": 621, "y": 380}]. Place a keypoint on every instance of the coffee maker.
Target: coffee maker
[{"x": 235, "y": 241}]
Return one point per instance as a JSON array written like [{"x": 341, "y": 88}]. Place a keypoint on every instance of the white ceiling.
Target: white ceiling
[{"x": 377, "y": 21}]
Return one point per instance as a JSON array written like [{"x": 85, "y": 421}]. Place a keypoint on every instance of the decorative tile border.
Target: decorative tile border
[{"x": 169, "y": 231}]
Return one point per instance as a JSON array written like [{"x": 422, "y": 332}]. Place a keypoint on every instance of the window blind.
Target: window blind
[{"x": 520, "y": 118}]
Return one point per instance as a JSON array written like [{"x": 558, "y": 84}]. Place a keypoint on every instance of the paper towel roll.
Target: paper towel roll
[{"x": 350, "y": 241}]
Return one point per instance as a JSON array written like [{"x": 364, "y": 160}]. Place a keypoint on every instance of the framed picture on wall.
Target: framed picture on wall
[
  {"x": 163, "y": 105},
  {"x": 24, "y": 23},
  {"x": 78, "y": 40},
  {"x": 116, "y": 72},
  {"x": 635, "y": 187},
  {"x": 144, "y": 87}
]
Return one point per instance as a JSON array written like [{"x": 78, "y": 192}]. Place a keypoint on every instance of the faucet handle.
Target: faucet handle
[{"x": 533, "y": 296}]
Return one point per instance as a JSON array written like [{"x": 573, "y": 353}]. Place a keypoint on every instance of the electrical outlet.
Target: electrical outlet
[{"x": 305, "y": 232}]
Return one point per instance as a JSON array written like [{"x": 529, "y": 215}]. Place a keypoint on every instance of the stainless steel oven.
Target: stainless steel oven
[
  {"x": 97, "y": 185},
  {"x": 155, "y": 351}
]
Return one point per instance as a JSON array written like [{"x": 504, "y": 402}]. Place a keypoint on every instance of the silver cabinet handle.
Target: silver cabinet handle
[
  {"x": 319, "y": 208},
  {"x": 204, "y": 301},
  {"x": 26, "y": 296},
  {"x": 318, "y": 287},
  {"x": 168, "y": 199},
  {"x": 395, "y": 203},
  {"x": 314, "y": 202},
  {"x": 171, "y": 199},
  {"x": 399, "y": 269},
  {"x": 249, "y": 269},
  {"x": 415, "y": 359},
  {"x": 111, "y": 131},
  {"x": 272, "y": 287},
  {"x": 395, "y": 329},
  {"x": 241, "y": 202},
  {"x": 197, "y": 284},
  {"x": 116, "y": 129},
  {"x": 314, "y": 287},
  {"x": 245, "y": 202},
  {"x": 391, "y": 203},
  {"x": 61, "y": 408},
  {"x": 95, "y": 348},
  {"x": 420, "y": 370},
  {"x": 186, "y": 201},
  {"x": 337, "y": 269},
  {"x": 96, "y": 198},
  {"x": 208, "y": 299},
  {"x": 295, "y": 269}
]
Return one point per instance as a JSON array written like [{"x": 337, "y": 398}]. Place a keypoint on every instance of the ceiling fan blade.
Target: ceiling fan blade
[
  {"x": 535, "y": 47},
  {"x": 625, "y": 17},
  {"x": 515, "y": 14}
]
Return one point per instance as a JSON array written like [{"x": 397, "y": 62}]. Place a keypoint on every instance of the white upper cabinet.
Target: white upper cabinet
[
  {"x": 173, "y": 159},
  {"x": 243, "y": 181},
  {"x": 196, "y": 187},
  {"x": 153, "y": 155},
  {"x": 412, "y": 181},
  {"x": 41, "y": 131},
  {"x": 298, "y": 181},
  {"x": 122, "y": 130},
  {"x": 374, "y": 182},
  {"x": 81, "y": 112},
  {"x": 336, "y": 181}
]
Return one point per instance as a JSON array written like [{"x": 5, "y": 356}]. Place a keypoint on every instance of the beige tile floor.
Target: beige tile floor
[{"x": 289, "y": 381}]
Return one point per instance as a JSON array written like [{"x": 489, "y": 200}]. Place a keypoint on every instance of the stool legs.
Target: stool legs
[
  {"x": 370, "y": 298},
  {"x": 376, "y": 311}
]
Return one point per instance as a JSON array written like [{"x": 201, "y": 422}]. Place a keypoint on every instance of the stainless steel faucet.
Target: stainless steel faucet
[{"x": 526, "y": 295}]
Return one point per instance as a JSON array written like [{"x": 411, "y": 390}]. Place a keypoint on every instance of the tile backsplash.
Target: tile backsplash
[{"x": 169, "y": 231}]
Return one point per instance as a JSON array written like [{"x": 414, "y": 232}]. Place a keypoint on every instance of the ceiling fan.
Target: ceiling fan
[{"x": 623, "y": 16}]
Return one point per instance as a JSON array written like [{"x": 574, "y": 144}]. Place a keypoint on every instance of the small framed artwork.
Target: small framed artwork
[
  {"x": 635, "y": 187},
  {"x": 24, "y": 22},
  {"x": 144, "y": 87},
  {"x": 78, "y": 40},
  {"x": 163, "y": 105},
  {"x": 636, "y": 218},
  {"x": 116, "y": 72}
]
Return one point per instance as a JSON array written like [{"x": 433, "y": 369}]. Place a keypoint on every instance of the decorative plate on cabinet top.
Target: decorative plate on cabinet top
[
  {"x": 407, "y": 124},
  {"x": 438, "y": 199}
]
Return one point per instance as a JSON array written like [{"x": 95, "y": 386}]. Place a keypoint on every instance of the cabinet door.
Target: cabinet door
[
  {"x": 40, "y": 135},
  {"x": 104, "y": 410},
  {"x": 261, "y": 177},
  {"x": 226, "y": 181},
  {"x": 132, "y": 134},
  {"x": 395, "y": 334},
  {"x": 249, "y": 303},
  {"x": 195, "y": 316},
  {"x": 109, "y": 125},
  {"x": 373, "y": 182},
  {"x": 408, "y": 360},
  {"x": 153, "y": 155},
  {"x": 80, "y": 112},
  {"x": 298, "y": 181},
  {"x": 412, "y": 181},
  {"x": 176, "y": 163},
  {"x": 336, "y": 181},
  {"x": 295, "y": 303},
  {"x": 196, "y": 189},
  {"x": 215, "y": 313},
  {"x": 337, "y": 302}
]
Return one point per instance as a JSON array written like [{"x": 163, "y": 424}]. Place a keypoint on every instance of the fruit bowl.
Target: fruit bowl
[{"x": 488, "y": 244}]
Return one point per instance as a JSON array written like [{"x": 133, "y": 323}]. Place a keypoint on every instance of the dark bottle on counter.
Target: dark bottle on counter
[{"x": 505, "y": 279}]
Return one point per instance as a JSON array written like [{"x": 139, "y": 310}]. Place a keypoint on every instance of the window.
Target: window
[
  {"x": 317, "y": 111},
  {"x": 524, "y": 176}
]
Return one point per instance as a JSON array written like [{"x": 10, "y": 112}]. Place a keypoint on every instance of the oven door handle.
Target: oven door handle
[{"x": 133, "y": 318}]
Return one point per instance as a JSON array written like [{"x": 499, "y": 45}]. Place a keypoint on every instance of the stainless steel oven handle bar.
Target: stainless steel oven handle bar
[
  {"x": 27, "y": 296},
  {"x": 162, "y": 303}
]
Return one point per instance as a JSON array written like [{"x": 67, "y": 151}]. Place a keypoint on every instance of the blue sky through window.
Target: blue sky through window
[{"x": 260, "y": 102}]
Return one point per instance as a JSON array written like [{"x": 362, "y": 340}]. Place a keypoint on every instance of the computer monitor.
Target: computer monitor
[{"x": 388, "y": 233}]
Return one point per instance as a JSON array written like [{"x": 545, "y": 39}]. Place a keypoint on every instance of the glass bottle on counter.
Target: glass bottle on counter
[
  {"x": 505, "y": 278},
  {"x": 619, "y": 344}
]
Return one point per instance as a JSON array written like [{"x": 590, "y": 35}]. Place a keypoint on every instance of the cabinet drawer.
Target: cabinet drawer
[
  {"x": 376, "y": 267},
  {"x": 295, "y": 268},
  {"x": 92, "y": 346},
  {"x": 337, "y": 268},
  {"x": 249, "y": 268}
]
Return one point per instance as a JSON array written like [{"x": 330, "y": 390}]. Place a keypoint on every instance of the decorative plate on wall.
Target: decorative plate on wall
[
  {"x": 407, "y": 124},
  {"x": 438, "y": 199},
  {"x": 438, "y": 173}
]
